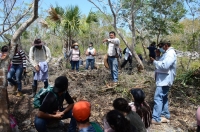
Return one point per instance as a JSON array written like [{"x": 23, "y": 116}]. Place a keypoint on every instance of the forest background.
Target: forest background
[{"x": 137, "y": 23}]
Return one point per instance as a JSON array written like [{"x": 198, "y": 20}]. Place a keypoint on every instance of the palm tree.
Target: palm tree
[{"x": 64, "y": 22}]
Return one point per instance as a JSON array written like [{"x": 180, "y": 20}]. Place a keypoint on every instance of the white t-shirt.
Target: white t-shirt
[
  {"x": 113, "y": 46},
  {"x": 92, "y": 52}
]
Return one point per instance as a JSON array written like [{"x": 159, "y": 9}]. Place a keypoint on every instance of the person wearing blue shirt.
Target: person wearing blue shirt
[{"x": 164, "y": 75}]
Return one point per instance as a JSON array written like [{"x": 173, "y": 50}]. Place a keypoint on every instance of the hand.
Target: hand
[
  {"x": 59, "y": 115},
  {"x": 157, "y": 52},
  {"x": 152, "y": 59},
  {"x": 37, "y": 68},
  {"x": 24, "y": 69},
  {"x": 105, "y": 40}
]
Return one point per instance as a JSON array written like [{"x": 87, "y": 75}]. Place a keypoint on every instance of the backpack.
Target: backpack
[
  {"x": 40, "y": 96},
  {"x": 96, "y": 127},
  {"x": 124, "y": 51}
]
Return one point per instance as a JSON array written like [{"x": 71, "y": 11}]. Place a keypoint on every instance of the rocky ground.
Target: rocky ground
[{"x": 90, "y": 85}]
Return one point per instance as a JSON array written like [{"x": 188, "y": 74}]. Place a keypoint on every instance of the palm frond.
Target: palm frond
[
  {"x": 53, "y": 15},
  {"x": 44, "y": 24}
]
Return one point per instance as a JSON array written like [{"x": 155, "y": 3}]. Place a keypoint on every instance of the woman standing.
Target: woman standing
[
  {"x": 17, "y": 67},
  {"x": 74, "y": 55},
  {"x": 90, "y": 53}
]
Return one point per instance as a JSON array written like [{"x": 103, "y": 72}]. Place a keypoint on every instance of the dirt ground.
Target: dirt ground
[{"x": 90, "y": 85}]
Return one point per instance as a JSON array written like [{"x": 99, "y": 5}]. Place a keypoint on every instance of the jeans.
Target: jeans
[
  {"x": 75, "y": 64},
  {"x": 40, "y": 123},
  {"x": 90, "y": 62},
  {"x": 35, "y": 82},
  {"x": 113, "y": 65},
  {"x": 161, "y": 103},
  {"x": 15, "y": 70}
]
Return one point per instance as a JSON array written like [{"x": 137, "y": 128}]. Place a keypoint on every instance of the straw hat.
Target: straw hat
[{"x": 75, "y": 44}]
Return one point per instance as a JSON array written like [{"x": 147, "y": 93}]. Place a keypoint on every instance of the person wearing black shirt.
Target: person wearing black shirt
[
  {"x": 52, "y": 109},
  {"x": 152, "y": 49}
]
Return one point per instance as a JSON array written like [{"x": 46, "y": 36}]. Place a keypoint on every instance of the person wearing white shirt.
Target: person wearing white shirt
[
  {"x": 113, "y": 53},
  {"x": 38, "y": 53},
  {"x": 90, "y": 56},
  {"x": 127, "y": 57},
  {"x": 165, "y": 75}
]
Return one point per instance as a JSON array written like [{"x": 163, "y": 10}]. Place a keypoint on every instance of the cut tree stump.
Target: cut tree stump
[{"x": 4, "y": 112}]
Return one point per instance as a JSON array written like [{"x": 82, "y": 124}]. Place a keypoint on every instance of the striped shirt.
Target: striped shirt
[{"x": 19, "y": 58}]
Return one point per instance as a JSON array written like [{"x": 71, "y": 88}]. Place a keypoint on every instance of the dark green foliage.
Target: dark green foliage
[{"x": 190, "y": 77}]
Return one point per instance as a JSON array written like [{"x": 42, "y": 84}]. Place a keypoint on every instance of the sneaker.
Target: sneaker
[
  {"x": 155, "y": 122},
  {"x": 115, "y": 83},
  {"x": 19, "y": 93},
  {"x": 164, "y": 120}
]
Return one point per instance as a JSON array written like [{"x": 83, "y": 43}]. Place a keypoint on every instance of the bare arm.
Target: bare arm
[
  {"x": 94, "y": 54},
  {"x": 69, "y": 107},
  {"x": 86, "y": 53}
]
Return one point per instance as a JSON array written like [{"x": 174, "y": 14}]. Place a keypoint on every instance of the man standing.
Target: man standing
[
  {"x": 113, "y": 53},
  {"x": 90, "y": 59},
  {"x": 52, "y": 110},
  {"x": 39, "y": 54},
  {"x": 165, "y": 75}
]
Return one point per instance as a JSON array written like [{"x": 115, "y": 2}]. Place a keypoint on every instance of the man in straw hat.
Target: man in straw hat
[
  {"x": 113, "y": 53},
  {"x": 165, "y": 75},
  {"x": 38, "y": 53}
]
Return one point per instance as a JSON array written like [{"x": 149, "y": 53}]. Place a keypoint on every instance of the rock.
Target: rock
[
  {"x": 26, "y": 122},
  {"x": 179, "y": 130}
]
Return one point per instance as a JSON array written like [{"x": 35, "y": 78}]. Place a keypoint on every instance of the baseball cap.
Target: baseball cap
[
  {"x": 81, "y": 110},
  {"x": 60, "y": 84}
]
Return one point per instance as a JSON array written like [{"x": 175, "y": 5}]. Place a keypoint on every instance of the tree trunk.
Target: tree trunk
[
  {"x": 145, "y": 53},
  {"x": 4, "y": 111},
  {"x": 140, "y": 65}
]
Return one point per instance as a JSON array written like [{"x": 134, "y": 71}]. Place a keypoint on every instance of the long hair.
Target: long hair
[
  {"x": 118, "y": 122},
  {"x": 121, "y": 104},
  {"x": 142, "y": 108}
]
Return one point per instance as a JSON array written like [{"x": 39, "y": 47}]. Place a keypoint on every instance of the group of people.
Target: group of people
[
  {"x": 39, "y": 57},
  {"x": 134, "y": 116},
  {"x": 125, "y": 117},
  {"x": 74, "y": 56}
]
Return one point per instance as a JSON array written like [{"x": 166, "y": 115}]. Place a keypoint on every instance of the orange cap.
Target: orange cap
[{"x": 81, "y": 110}]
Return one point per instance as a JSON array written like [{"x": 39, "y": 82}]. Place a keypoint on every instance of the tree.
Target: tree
[
  {"x": 5, "y": 125},
  {"x": 65, "y": 22},
  {"x": 123, "y": 16},
  {"x": 162, "y": 17}
]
